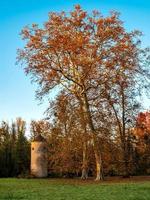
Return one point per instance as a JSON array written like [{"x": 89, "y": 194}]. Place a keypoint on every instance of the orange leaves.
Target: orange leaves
[
  {"x": 78, "y": 16},
  {"x": 25, "y": 33},
  {"x": 77, "y": 7},
  {"x": 143, "y": 120},
  {"x": 90, "y": 45}
]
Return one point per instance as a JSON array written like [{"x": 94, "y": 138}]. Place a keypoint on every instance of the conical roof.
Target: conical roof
[{"x": 39, "y": 138}]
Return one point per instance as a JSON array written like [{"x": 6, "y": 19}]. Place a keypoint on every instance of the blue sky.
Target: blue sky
[{"x": 17, "y": 94}]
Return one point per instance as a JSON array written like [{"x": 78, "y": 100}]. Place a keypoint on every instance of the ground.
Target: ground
[{"x": 137, "y": 188}]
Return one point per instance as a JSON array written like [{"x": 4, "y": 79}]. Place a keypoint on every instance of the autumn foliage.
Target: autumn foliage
[{"x": 99, "y": 70}]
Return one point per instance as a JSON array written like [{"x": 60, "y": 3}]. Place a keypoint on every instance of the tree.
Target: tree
[
  {"x": 68, "y": 114},
  {"x": 5, "y": 151},
  {"x": 80, "y": 53},
  {"x": 141, "y": 133},
  {"x": 123, "y": 98},
  {"x": 22, "y": 148},
  {"x": 14, "y": 149}
]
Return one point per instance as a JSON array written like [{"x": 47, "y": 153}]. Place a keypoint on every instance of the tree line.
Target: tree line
[{"x": 68, "y": 156}]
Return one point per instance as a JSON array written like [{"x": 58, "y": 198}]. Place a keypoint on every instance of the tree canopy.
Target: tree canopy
[{"x": 98, "y": 63}]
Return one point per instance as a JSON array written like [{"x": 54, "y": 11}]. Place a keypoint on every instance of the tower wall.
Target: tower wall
[{"x": 39, "y": 159}]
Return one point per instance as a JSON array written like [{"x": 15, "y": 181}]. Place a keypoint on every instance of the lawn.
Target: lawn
[{"x": 60, "y": 189}]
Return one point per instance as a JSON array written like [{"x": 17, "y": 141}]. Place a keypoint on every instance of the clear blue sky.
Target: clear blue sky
[{"x": 17, "y": 94}]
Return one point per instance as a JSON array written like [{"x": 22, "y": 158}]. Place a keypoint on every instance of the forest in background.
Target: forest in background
[{"x": 66, "y": 150}]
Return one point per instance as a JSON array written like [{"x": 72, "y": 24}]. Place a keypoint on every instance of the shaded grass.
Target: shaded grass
[{"x": 53, "y": 189}]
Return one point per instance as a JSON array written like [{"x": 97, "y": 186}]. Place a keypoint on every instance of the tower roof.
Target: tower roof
[{"x": 39, "y": 138}]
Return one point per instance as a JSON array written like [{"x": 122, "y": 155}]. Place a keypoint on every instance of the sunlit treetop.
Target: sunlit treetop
[{"x": 81, "y": 51}]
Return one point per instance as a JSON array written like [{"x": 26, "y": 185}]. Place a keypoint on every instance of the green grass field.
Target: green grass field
[{"x": 53, "y": 189}]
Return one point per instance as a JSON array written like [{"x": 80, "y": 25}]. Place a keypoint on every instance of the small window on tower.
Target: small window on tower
[{"x": 32, "y": 148}]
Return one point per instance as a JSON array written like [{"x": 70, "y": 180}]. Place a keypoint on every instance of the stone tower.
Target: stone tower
[{"x": 39, "y": 157}]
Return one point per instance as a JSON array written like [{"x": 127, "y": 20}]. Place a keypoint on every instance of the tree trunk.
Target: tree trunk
[
  {"x": 99, "y": 171},
  {"x": 126, "y": 163},
  {"x": 97, "y": 152},
  {"x": 98, "y": 160},
  {"x": 124, "y": 140},
  {"x": 84, "y": 136},
  {"x": 84, "y": 162}
]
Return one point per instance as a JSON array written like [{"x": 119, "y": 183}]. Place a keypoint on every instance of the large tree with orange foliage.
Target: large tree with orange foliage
[{"x": 79, "y": 52}]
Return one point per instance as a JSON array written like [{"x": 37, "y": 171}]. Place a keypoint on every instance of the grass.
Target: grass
[{"x": 60, "y": 189}]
